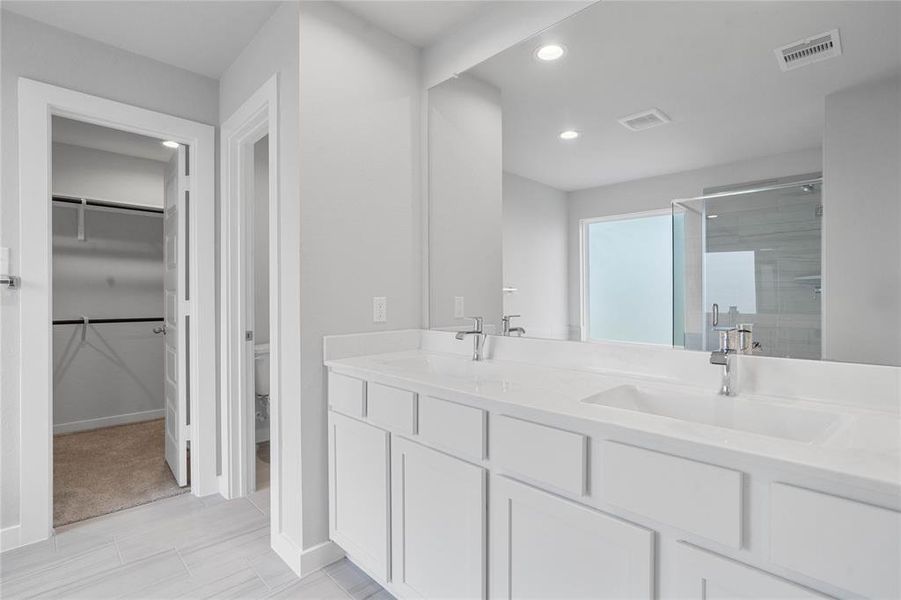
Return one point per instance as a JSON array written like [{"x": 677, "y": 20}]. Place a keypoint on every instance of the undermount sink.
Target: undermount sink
[{"x": 737, "y": 413}]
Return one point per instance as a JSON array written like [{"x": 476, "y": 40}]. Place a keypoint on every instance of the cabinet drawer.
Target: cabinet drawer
[
  {"x": 392, "y": 408},
  {"x": 455, "y": 427},
  {"x": 849, "y": 544},
  {"x": 707, "y": 576},
  {"x": 541, "y": 453},
  {"x": 346, "y": 395},
  {"x": 696, "y": 497}
]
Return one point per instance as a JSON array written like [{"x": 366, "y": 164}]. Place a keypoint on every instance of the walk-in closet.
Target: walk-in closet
[{"x": 114, "y": 368}]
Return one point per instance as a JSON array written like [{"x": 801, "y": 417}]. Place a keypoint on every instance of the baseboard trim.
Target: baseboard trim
[
  {"x": 304, "y": 562},
  {"x": 10, "y": 537},
  {"x": 319, "y": 556},
  {"x": 135, "y": 417}
]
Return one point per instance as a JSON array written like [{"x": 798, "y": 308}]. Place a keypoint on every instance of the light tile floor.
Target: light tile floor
[{"x": 182, "y": 547}]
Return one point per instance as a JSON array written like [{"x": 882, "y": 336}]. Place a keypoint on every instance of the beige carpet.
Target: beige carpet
[{"x": 104, "y": 470}]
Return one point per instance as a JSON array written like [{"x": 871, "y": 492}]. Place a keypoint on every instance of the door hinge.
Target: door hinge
[{"x": 248, "y": 336}]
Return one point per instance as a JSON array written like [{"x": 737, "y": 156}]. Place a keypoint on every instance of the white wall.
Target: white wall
[
  {"x": 114, "y": 374},
  {"x": 360, "y": 221},
  {"x": 465, "y": 202},
  {"x": 348, "y": 185},
  {"x": 261, "y": 241},
  {"x": 30, "y": 49},
  {"x": 275, "y": 50},
  {"x": 534, "y": 240},
  {"x": 861, "y": 224},
  {"x": 656, "y": 193},
  {"x": 98, "y": 175}
]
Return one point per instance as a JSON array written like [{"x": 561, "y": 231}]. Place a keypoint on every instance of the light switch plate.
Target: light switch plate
[
  {"x": 379, "y": 309},
  {"x": 459, "y": 311}
]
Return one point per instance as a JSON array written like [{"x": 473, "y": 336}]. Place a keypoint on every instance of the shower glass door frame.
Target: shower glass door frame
[{"x": 699, "y": 206}]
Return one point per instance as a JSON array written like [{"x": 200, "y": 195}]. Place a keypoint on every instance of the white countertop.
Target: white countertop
[{"x": 861, "y": 446}]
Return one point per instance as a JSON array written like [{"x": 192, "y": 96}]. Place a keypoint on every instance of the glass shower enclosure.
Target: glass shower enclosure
[{"x": 750, "y": 254}]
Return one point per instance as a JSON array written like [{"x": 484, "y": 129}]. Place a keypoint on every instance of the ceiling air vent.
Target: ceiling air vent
[
  {"x": 809, "y": 50},
  {"x": 644, "y": 120}
]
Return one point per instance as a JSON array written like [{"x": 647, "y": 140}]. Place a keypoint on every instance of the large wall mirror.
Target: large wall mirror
[{"x": 652, "y": 172}]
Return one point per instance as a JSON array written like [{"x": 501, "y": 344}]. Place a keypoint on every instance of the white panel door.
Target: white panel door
[
  {"x": 544, "y": 546},
  {"x": 359, "y": 492},
  {"x": 703, "y": 575},
  {"x": 174, "y": 289},
  {"x": 439, "y": 510}
]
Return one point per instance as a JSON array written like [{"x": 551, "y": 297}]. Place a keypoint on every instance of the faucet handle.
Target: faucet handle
[
  {"x": 506, "y": 320},
  {"x": 476, "y": 323}
]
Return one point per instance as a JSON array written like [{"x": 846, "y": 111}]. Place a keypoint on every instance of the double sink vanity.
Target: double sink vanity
[
  {"x": 564, "y": 470},
  {"x": 689, "y": 214}
]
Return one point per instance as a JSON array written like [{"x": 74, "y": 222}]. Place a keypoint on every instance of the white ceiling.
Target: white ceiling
[
  {"x": 709, "y": 66},
  {"x": 87, "y": 135},
  {"x": 203, "y": 37},
  {"x": 418, "y": 22}
]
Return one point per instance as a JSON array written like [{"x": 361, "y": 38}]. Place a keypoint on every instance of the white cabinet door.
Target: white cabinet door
[
  {"x": 359, "y": 491},
  {"x": 544, "y": 546},
  {"x": 439, "y": 507},
  {"x": 704, "y": 575}
]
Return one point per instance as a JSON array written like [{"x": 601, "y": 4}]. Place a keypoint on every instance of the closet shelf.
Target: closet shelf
[
  {"x": 117, "y": 320},
  {"x": 107, "y": 204}
]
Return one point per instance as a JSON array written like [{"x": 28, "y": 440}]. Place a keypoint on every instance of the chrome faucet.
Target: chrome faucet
[
  {"x": 478, "y": 340},
  {"x": 726, "y": 356},
  {"x": 518, "y": 331}
]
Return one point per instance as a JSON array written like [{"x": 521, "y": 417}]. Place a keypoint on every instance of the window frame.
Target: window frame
[{"x": 584, "y": 324}]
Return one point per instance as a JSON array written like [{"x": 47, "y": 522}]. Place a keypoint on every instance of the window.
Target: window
[{"x": 627, "y": 282}]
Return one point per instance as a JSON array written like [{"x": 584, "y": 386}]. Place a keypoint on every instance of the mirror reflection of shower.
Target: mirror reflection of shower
[{"x": 751, "y": 254}]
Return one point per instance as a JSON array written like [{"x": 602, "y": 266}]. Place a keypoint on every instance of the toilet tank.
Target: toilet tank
[{"x": 261, "y": 369}]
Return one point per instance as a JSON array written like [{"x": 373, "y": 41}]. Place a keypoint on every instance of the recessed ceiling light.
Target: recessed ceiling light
[
  {"x": 569, "y": 134},
  {"x": 712, "y": 216},
  {"x": 550, "y": 52},
  {"x": 170, "y": 144}
]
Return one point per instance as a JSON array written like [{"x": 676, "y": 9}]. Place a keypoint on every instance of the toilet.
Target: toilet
[{"x": 261, "y": 390}]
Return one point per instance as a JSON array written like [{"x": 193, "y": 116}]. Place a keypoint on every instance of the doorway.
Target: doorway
[
  {"x": 259, "y": 266},
  {"x": 192, "y": 303},
  {"x": 119, "y": 419},
  {"x": 250, "y": 300}
]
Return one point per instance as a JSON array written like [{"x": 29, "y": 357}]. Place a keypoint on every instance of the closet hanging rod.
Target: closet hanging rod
[
  {"x": 121, "y": 320},
  {"x": 108, "y": 204}
]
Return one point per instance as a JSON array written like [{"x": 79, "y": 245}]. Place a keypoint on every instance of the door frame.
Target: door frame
[
  {"x": 255, "y": 118},
  {"x": 37, "y": 103}
]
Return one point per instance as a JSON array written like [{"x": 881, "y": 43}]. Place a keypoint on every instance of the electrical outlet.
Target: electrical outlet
[
  {"x": 459, "y": 312},
  {"x": 379, "y": 309}
]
